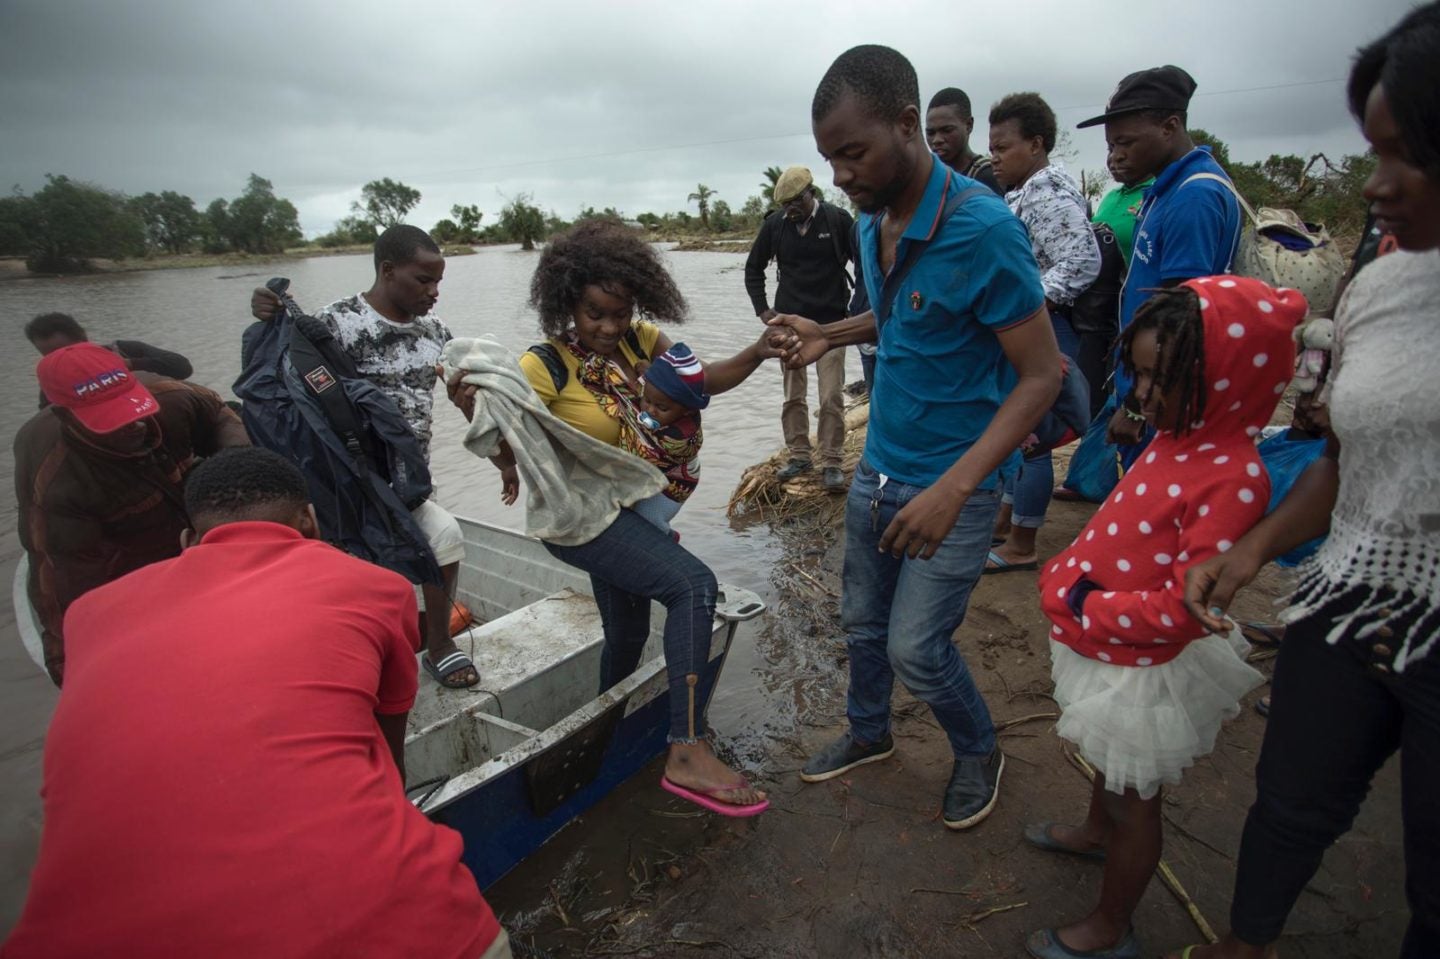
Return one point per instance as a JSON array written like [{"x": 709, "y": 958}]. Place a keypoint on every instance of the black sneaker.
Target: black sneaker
[
  {"x": 843, "y": 755},
  {"x": 792, "y": 469},
  {"x": 974, "y": 787}
]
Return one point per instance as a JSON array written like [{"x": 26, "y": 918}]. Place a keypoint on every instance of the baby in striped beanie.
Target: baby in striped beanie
[{"x": 665, "y": 430}]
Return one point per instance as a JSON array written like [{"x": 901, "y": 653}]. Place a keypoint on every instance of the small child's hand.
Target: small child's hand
[
  {"x": 772, "y": 343},
  {"x": 509, "y": 485}
]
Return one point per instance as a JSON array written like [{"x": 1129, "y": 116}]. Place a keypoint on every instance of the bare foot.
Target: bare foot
[{"x": 696, "y": 767}]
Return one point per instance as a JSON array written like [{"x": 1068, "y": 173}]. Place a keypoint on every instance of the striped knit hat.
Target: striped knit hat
[{"x": 679, "y": 375}]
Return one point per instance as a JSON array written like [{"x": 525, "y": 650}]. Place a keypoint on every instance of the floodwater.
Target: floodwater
[{"x": 201, "y": 312}]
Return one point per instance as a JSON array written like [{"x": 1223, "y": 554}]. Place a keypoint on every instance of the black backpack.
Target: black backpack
[
  {"x": 1097, "y": 310},
  {"x": 560, "y": 374},
  {"x": 360, "y": 458}
]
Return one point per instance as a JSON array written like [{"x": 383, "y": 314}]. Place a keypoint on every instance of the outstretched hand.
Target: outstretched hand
[
  {"x": 801, "y": 342},
  {"x": 461, "y": 394},
  {"x": 771, "y": 343},
  {"x": 1211, "y": 586}
]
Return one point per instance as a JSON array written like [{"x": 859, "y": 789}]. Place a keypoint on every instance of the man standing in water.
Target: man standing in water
[
  {"x": 809, "y": 239},
  {"x": 959, "y": 384},
  {"x": 396, "y": 343},
  {"x": 948, "y": 124}
]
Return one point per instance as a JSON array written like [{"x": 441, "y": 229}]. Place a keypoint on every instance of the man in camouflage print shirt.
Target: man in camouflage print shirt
[{"x": 395, "y": 342}]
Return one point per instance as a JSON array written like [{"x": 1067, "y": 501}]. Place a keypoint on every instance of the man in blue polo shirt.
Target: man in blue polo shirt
[
  {"x": 967, "y": 365},
  {"x": 1189, "y": 224}
]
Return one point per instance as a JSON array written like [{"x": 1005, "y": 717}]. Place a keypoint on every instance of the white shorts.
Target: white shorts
[{"x": 441, "y": 530}]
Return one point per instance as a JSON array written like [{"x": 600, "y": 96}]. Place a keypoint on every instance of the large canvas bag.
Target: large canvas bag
[{"x": 1281, "y": 249}]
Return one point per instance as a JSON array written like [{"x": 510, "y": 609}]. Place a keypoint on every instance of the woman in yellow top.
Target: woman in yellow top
[{"x": 589, "y": 287}]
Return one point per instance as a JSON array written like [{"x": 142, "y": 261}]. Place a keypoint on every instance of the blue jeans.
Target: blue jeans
[
  {"x": 899, "y": 615},
  {"x": 1028, "y": 491},
  {"x": 630, "y": 564}
]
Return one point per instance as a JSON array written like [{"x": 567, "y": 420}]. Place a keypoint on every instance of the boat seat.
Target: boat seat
[{"x": 532, "y": 663}]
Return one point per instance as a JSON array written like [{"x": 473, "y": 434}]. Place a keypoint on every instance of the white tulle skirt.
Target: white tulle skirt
[{"x": 1143, "y": 725}]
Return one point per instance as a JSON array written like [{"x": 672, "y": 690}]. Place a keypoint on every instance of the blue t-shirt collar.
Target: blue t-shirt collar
[
  {"x": 927, "y": 215},
  {"x": 1175, "y": 174}
]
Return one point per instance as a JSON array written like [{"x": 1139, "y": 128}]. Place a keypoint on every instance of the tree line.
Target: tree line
[{"x": 63, "y": 225}]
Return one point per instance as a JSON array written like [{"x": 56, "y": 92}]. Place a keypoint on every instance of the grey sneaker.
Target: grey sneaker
[
  {"x": 974, "y": 787},
  {"x": 792, "y": 469},
  {"x": 834, "y": 479},
  {"x": 843, "y": 755}
]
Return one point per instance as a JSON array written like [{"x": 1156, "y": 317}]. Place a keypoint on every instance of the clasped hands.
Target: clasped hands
[{"x": 795, "y": 340}]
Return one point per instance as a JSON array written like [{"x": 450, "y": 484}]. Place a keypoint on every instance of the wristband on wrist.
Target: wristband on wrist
[{"x": 1131, "y": 415}]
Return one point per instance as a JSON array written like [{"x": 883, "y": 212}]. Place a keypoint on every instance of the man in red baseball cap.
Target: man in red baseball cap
[{"x": 98, "y": 475}]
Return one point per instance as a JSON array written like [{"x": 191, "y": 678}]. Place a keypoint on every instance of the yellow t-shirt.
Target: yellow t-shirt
[{"x": 575, "y": 404}]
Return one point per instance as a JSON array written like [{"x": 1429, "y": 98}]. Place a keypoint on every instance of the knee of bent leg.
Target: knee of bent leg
[
  {"x": 691, "y": 584},
  {"x": 1307, "y": 818},
  {"x": 914, "y": 663}
]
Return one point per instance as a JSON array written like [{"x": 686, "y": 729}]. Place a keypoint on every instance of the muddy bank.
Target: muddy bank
[{"x": 861, "y": 866}]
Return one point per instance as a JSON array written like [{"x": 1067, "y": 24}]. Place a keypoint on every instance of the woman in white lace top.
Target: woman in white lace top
[{"x": 1358, "y": 676}]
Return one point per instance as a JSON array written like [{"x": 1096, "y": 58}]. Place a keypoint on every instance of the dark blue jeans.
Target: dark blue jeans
[
  {"x": 630, "y": 564},
  {"x": 1336, "y": 715},
  {"x": 899, "y": 615}
]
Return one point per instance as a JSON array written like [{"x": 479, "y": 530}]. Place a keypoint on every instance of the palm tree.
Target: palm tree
[
  {"x": 767, "y": 186},
  {"x": 702, "y": 196}
]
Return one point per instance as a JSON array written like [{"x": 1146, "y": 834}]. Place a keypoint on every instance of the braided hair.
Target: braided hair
[{"x": 1174, "y": 315}]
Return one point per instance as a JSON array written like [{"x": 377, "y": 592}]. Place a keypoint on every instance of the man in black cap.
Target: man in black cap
[{"x": 1189, "y": 224}]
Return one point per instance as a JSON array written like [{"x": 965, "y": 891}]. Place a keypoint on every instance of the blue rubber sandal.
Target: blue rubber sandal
[
  {"x": 1001, "y": 566},
  {"x": 1038, "y": 835},
  {"x": 1046, "y": 944}
]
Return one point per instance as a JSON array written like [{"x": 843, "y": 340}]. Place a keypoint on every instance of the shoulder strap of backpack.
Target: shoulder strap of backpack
[
  {"x": 559, "y": 373},
  {"x": 1230, "y": 185},
  {"x": 913, "y": 251},
  {"x": 632, "y": 340}
]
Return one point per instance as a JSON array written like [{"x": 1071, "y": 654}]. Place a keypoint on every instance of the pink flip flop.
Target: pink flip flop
[{"x": 705, "y": 801}]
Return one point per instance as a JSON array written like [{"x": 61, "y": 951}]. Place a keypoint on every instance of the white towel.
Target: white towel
[{"x": 575, "y": 484}]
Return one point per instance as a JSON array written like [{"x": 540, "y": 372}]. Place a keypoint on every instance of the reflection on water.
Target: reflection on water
[{"x": 201, "y": 312}]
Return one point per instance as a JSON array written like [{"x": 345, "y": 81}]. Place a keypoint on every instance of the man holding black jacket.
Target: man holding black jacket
[{"x": 810, "y": 240}]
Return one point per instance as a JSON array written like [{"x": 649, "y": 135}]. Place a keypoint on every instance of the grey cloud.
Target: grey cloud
[{"x": 467, "y": 102}]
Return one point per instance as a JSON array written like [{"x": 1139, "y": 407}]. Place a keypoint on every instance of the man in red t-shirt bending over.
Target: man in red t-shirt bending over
[{"x": 223, "y": 773}]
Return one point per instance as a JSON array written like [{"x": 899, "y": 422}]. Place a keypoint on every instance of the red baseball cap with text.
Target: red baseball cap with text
[{"x": 96, "y": 385}]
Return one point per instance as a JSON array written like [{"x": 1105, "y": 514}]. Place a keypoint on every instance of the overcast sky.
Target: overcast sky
[{"x": 624, "y": 104}]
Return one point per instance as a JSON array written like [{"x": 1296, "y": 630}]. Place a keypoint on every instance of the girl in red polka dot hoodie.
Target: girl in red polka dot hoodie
[{"x": 1143, "y": 688}]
